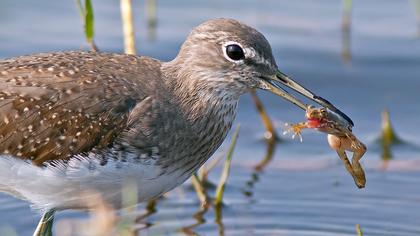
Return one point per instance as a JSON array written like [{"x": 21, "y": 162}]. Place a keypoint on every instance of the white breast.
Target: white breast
[{"x": 75, "y": 183}]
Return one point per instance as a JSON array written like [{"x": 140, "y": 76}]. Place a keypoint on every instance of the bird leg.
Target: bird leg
[{"x": 45, "y": 224}]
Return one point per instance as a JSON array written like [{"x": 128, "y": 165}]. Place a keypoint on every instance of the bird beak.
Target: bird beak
[{"x": 275, "y": 82}]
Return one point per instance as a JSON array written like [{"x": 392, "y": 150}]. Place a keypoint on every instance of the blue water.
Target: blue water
[{"x": 305, "y": 189}]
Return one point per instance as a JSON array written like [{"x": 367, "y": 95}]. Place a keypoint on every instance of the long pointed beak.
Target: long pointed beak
[{"x": 274, "y": 85}]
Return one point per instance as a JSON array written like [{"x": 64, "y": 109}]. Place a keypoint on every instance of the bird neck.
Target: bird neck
[
  {"x": 206, "y": 110},
  {"x": 190, "y": 78},
  {"x": 201, "y": 97}
]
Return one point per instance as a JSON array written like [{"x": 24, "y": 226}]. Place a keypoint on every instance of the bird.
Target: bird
[{"x": 76, "y": 122}]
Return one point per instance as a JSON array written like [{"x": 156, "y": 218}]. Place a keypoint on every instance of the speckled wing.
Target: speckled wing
[{"x": 53, "y": 106}]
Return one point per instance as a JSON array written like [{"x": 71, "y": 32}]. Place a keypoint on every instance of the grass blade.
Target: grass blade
[
  {"x": 86, "y": 14},
  {"x": 388, "y": 136},
  {"x": 359, "y": 230},
  {"x": 81, "y": 11},
  {"x": 221, "y": 187},
  {"x": 200, "y": 190},
  {"x": 89, "y": 21}
]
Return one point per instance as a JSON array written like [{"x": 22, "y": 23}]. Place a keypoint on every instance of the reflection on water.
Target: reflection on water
[
  {"x": 388, "y": 139},
  {"x": 416, "y": 6},
  {"x": 152, "y": 20},
  {"x": 248, "y": 191},
  {"x": 141, "y": 219},
  {"x": 199, "y": 216},
  {"x": 219, "y": 220},
  {"x": 386, "y": 155},
  {"x": 346, "y": 30},
  {"x": 275, "y": 188},
  {"x": 268, "y": 156}
]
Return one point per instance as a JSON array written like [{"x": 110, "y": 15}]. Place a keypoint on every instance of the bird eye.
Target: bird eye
[{"x": 235, "y": 52}]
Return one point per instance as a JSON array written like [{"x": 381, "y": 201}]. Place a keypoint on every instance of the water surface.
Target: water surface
[{"x": 305, "y": 189}]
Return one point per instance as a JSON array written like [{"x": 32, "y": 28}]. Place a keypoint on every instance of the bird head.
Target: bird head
[{"x": 230, "y": 57}]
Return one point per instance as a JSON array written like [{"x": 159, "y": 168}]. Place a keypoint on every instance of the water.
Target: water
[{"x": 305, "y": 189}]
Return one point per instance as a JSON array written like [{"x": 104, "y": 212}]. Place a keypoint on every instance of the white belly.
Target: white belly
[{"x": 77, "y": 183}]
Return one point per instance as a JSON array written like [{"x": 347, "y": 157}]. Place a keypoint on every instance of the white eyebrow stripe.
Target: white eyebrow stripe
[
  {"x": 249, "y": 52},
  {"x": 258, "y": 58}
]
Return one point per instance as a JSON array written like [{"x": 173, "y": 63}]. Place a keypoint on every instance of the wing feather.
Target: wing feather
[{"x": 53, "y": 106}]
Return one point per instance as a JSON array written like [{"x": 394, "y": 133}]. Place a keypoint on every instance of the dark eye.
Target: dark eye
[{"x": 235, "y": 52}]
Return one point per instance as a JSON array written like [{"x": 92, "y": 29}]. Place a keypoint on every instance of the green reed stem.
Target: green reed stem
[
  {"x": 222, "y": 183},
  {"x": 359, "y": 230},
  {"x": 200, "y": 190},
  {"x": 388, "y": 135},
  {"x": 87, "y": 16}
]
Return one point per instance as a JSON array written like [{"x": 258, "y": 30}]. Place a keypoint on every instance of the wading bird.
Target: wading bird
[{"x": 73, "y": 123}]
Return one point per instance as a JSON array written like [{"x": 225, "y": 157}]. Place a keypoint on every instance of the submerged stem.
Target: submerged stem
[
  {"x": 270, "y": 134},
  {"x": 221, "y": 186},
  {"x": 200, "y": 190}
]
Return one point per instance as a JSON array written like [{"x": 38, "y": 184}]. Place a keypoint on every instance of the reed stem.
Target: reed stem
[
  {"x": 222, "y": 183},
  {"x": 128, "y": 27}
]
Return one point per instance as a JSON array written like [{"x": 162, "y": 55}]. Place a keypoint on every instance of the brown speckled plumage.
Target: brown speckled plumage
[
  {"x": 53, "y": 106},
  {"x": 72, "y": 122},
  {"x": 58, "y": 105}
]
